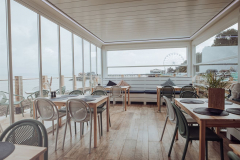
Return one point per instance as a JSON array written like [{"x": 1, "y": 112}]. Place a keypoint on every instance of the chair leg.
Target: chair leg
[
  {"x": 185, "y": 149},
  {"x": 22, "y": 110},
  {"x": 64, "y": 135},
  {"x": 53, "y": 127},
  {"x": 164, "y": 128},
  {"x": 160, "y": 104},
  {"x": 57, "y": 134},
  {"x": 70, "y": 128},
  {"x": 174, "y": 134},
  {"x": 81, "y": 128},
  {"x": 109, "y": 120},
  {"x": 101, "y": 124},
  {"x": 75, "y": 128},
  {"x": 99, "y": 127},
  {"x": 113, "y": 101},
  {"x": 90, "y": 137},
  {"x": 206, "y": 148},
  {"x": 221, "y": 150}
]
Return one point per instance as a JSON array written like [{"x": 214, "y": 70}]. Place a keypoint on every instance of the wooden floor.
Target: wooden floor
[{"x": 134, "y": 135}]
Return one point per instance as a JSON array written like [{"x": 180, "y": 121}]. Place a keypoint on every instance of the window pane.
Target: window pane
[
  {"x": 24, "y": 56},
  {"x": 94, "y": 65},
  {"x": 164, "y": 71},
  {"x": 169, "y": 56},
  {"x": 66, "y": 58},
  {"x": 78, "y": 61},
  {"x": 220, "y": 49},
  {"x": 87, "y": 63},
  {"x": 99, "y": 65},
  {"x": 50, "y": 52},
  {"x": 3, "y": 64}
]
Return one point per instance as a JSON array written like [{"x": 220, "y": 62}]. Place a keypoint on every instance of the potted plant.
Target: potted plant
[{"x": 216, "y": 90}]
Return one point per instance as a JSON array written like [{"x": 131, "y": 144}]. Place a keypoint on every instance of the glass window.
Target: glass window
[
  {"x": 24, "y": 56},
  {"x": 3, "y": 64},
  {"x": 50, "y": 54},
  {"x": 94, "y": 65},
  {"x": 66, "y": 58},
  {"x": 219, "y": 54},
  {"x": 99, "y": 65},
  {"x": 78, "y": 63},
  {"x": 148, "y": 61},
  {"x": 87, "y": 81}
]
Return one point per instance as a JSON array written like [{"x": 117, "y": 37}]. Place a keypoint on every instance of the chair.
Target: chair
[
  {"x": 187, "y": 88},
  {"x": 78, "y": 111},
  {"x": 232, "y": 156},
  {"x": 63, "y": 88},
  {"x": 48, "y": 112},
  {"x": 76, "y": 92},
  {"x": 5, "y": 101},
  {"x": 34, "y": 95},
  {"x": 100, "y": 88},
  {"x": 27, "y": 132},
  {"x": 167, "y": 91},
  {"x": 192, "y": 133},
  {"x": 172, "y": 116},
  {"x": 116, "y": 92},
  {"x": 101, "y": 108},
  {"x": 188, "y": 94}
]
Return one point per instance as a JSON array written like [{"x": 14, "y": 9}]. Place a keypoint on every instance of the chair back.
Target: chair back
[
  {"x": 63, "y": 89},
  {"x": 76, "y": 92},
  {"x": 100, "y": 88},
  {"x": 168, "y": 91},
  {"x": 99, "y": 92},
  {"x": 3, "y": 97},
  {"x": 45, "y": 93},
  {"x": 181, "y": 122},
  {"x": 188, "y": 88},
  {"x": 27, "y": 132},
  {"x": 232, "y": 156},
  {"x": 78, "y": 109},
  {"x": 116, "y": 91},
  {"x": 46, "y": 108},
  {"x": 188, "y": 94},
  {"x": 170, "y": 111}
]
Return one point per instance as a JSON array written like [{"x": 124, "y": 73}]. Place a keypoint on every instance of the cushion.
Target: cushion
[
  {"x": 235, "y": 90},
  {"x": 169, "y": 82},
  {"x": 137, "y": 91},
  {"x": 111, "y": 83},
  {"x": 123, "y": 83},
  {"x": 177, "y": 92},
  {"x": 151, "y": 91}
]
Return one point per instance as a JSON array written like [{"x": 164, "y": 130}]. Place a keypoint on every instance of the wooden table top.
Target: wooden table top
[
  {"x": 235, "y": 148},
  {"x": 189, "y": 109},
  {"x": 24, "y": 152}
]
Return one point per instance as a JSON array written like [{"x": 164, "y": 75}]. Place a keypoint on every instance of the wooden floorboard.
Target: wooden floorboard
[{"x": 134, "y": 135}]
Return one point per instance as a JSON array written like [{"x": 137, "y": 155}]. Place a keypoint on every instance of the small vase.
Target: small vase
[{"x": 216, "y": 98}]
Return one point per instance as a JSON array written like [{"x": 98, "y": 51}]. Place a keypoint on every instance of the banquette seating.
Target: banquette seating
[{"x": 144, "y": 89}]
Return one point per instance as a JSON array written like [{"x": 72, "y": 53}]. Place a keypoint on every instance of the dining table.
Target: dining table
[
  {"x": 124, "y": 89},
  {"x": 176, "y": 88},
  {"x": 59, "y": 102},
  {"x": 24, "y": 152},
  {"x": 230, "y": 121}
]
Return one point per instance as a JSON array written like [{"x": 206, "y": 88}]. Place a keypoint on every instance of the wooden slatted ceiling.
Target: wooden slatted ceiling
[{"x": 128, "y": 20}]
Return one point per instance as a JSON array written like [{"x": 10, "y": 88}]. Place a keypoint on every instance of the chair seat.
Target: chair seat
[
  {"x": 15, "y": 103},
  {"x": 99, "y": 110},
  {"x": 210, "y": 135},
  {"x": 189, "y": 119}
]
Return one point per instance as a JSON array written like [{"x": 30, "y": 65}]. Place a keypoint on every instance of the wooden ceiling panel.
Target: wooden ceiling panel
[{"x": 128, "y": 20}]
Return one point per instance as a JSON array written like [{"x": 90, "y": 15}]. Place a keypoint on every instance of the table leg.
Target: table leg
[
  {"x": 108, "y": 114},
  {"x": 60, "y": 119},
  {"x": 128, "y": 96},
  {"x": 217, "y": 130},
  {"x": 95, "y": 126},
  {"x": 41, "y": 157},
  {"x": 125, "y": 100},
  {"x": 159, "y": 94},
  {"x": 197, "y": 91},
  {"x": 202, "y": 134}
]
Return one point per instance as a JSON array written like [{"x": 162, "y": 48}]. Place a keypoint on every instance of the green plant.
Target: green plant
[{"x": 215, "y": 82}]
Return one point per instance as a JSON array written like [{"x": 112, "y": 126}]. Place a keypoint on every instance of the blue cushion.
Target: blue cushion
[
  {"x": 136, "y": 91},
  {"x": 238, "y": 100},
  {"x": 151, "y": 91},
  {"x": 177, "y": 92}
]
